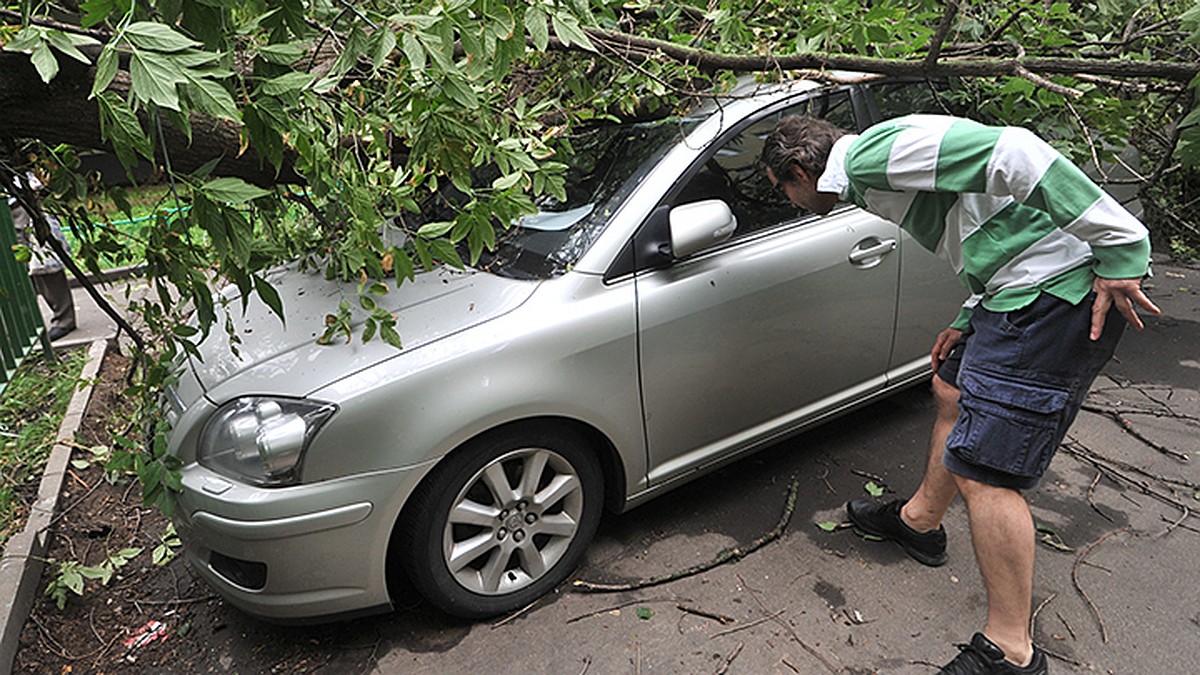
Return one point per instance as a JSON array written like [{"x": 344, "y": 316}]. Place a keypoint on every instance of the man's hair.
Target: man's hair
[{"x": 799, "y": 140}]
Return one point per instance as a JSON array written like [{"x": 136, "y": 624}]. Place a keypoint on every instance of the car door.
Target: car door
[{"x": 791, "y": 319}]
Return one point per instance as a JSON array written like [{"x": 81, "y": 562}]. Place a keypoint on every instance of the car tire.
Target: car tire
[{"x": 481, "y": 539}]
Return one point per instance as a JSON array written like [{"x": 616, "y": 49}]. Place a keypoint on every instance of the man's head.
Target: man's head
[{"x": 794, "y": 157}]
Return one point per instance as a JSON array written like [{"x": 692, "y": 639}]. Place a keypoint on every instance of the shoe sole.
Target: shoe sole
[{"x": 919, "y": 556}]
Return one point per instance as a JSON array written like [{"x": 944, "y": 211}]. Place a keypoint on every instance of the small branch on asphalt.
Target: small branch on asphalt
[
  {"x": 1041, "y": 605},
  {"x": 1119, "y": 472},
  {"x": 1079, "y": 587},
  {"x": 747, "y": 626},
  {"x": 724, "y": 668},
  {"x": 1180, "y": 525},
  {"x": 1091, "y": 496},
  {"x": 867, "y": 474},
  {"x": 719, "y": 618},
  {"x": 1186, "y": 512},
  {"x": 727, "y": 555},
  {"x": 1115, "y": 415},
  {"x": 515, "y": 615},
  {"x": 1070, "y": 631}
]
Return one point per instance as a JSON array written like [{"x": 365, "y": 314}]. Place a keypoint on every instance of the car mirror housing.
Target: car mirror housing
[{"x": 699, "y": 225}]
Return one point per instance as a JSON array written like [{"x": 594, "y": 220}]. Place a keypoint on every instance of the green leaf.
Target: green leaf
[
  {"x": 286, "y": 83},
  {"x": 828, "y": 525},
  {"x": 567, "y": 28},
  {"x": 44, "y": 61},
  {"x": 506, "y": 182},
  {"x": 460, "y": 90},
  {"x": 873, "y": 489},
  {"x": 106, "y": 70},
  {"x": 284, "y": 54},
  {"x": 866, "y": 537},
  {"x": 230, "y": 190},
  {"x": 382, "y": 43},
  {"x": 153, "y": 78},
  {"x": 390, "y": 336},
  {"x": 645, "y": 613},
  {"x": 95, "y": 11},
  {"x": 68, "y": 43},
  {"x": 414, "y": 51},
  {"x": 269, "y": 296},
  {"x": 436, "y": 229},
  {"x": 121, "y": 128},
  {"x": 210, "y": 98},
  {"x": 157, "y": 37}
]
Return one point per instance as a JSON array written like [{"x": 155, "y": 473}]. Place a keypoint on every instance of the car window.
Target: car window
[
  {"x": 731, "y": 173},
  {"x": 607, "y": 164}
]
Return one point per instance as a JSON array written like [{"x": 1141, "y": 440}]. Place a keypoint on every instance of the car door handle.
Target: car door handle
[{"x": 870, "y": 250}]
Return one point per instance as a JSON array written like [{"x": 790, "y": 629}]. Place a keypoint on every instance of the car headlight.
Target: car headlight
[{"x": 261, "y": 440}]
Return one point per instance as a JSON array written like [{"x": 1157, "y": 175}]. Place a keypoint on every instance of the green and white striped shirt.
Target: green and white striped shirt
[{"x": 1012, "y": 215}]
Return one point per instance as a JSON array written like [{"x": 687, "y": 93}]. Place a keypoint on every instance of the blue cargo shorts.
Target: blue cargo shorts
[{"x": 1023, "y": 376}]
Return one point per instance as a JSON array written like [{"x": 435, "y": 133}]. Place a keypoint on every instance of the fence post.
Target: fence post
[{"x": 21, "y": 323}]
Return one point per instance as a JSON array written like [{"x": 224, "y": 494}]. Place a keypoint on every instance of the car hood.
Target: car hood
[{"x": 283, "y": 358}]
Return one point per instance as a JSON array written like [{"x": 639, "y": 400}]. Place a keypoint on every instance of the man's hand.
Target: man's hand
[
  {"x": 1125, "y": 294},
  {"x": 942, "y": 346}
]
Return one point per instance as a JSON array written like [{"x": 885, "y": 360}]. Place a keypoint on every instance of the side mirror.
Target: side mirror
[{"x": 699, "y": 225}]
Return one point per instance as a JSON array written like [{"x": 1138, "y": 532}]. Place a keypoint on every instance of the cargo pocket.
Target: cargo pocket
[{"x": 1007, "y": 423}]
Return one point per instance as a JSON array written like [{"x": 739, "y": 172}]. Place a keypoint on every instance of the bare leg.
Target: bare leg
[
  {"x": 1003, "y": 534},
  {"x": 926, "y": 508}
]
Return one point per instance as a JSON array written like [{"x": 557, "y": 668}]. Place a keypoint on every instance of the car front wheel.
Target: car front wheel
[{"x": 503, "y": 521}]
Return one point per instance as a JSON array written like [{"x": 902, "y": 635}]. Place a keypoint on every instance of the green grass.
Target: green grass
[{"x": 31, "y": 410}]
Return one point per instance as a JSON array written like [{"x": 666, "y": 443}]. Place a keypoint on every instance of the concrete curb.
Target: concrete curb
[{"x": 21, "y": 568}]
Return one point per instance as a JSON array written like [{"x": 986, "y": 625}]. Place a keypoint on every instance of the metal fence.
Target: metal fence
[{"x": 21, "y": 325}]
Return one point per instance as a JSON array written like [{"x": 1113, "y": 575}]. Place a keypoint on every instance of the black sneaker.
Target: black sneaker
[
  {"x": 883, "y": 520},
  {"x": 982, "y": 656}
]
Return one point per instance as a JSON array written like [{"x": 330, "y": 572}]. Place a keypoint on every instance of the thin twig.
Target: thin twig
[
  {"x": 515, "y": 615},
  {"x": 747, "y": 626},
  {"x": 1041, "y": 605},
  {"x": 1091, "y": 496},
  {"x": 1066, "y": 625},
  {"x": 1116, "y": 416},
  {"x": 720, "y": 618},
  {"x": 729, "y": 659},
  {"x": 1180, "y": 525},
  {"x": 1186, "y": 512},
  {"x": 727, "y": 555},
  {"x": 1078, "y": 587}
]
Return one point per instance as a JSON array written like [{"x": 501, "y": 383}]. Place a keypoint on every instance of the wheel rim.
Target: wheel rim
[{"x": 512, "y": 521}]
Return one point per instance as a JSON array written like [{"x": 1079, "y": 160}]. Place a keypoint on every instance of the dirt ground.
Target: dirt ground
[
  {"x": 112, "y": 629},
  {"x": 165, "y": 619}
]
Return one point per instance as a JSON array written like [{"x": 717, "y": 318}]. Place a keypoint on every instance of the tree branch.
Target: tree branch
[{"x": 708, "y": 61}]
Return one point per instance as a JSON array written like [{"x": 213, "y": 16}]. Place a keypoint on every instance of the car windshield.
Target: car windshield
[{"x": 608, "y": 163}]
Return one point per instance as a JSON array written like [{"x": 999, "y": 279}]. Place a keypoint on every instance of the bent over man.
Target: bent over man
[{"x": 1052, "y": 263}]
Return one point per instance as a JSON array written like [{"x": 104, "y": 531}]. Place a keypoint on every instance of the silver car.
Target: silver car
[{"x": 673, "y": 315}]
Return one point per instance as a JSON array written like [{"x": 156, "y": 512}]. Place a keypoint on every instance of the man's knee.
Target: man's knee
[{"x": 945, "y": 396}]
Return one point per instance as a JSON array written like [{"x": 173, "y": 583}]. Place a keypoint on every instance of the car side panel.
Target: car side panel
[{"x": 736, "y": 345}]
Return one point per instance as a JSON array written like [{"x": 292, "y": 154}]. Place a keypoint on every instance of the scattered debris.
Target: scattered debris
[{"x": 152, "y": 630}]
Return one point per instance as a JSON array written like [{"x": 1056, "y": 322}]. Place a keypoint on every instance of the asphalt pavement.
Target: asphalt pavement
[{"x": 1116, "y": 587}]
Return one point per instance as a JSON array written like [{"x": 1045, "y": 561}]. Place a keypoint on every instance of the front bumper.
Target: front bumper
[{"x": 296, "y": 552}]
